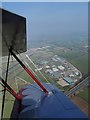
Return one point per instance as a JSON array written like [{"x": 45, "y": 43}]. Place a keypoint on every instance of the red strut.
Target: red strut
[
  {"x": 35, "y": 79},
  {"x": 29, "y": 72},
  {"x": 8, "y": 88}
]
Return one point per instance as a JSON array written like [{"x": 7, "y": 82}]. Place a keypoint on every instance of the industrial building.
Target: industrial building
[
  {"x": 68, "y": 80},
  {"x": 61, "y": 67},
  {"x": 55, "y": 69}
]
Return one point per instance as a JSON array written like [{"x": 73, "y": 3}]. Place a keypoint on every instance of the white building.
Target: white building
[
  {"x": 47, "y": 66},
  {"x": 61, "y": 67},
  {"x": 49, "y": 71},
  {"x": 55, "y": 69},
  {"x": 77, "y": 73},
  {"x": 71, "y": 75}
]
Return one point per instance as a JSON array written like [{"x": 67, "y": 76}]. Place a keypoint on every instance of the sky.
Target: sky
[{"x": 51, "y": 20}]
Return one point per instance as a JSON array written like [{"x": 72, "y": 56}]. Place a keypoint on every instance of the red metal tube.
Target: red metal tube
[
  {"x": 7, "y": 87},
  {"x": 35, "y": 79},
  {"x": 29, "y": 72}
]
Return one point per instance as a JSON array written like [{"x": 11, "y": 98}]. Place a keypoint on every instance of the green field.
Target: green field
[
  {"x": 77, "y": 58},
  {"x": 85, "y": 94},
  {"x": 22, "y": 74},
  {"x": 81, "y": 63},
  {"x": 8, "y": 106}
]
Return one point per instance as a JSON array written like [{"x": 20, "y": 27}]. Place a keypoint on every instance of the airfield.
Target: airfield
[{"x": 46, "y": 65}]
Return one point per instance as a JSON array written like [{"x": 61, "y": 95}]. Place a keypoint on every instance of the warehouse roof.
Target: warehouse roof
[{"x": 68, "y": 80}]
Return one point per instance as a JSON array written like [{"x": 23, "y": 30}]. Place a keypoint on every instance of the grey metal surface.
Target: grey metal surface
[{"x": 13, "y": 32}]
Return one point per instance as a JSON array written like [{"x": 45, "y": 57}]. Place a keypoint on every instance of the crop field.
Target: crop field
[
  {"x": 81, "y": 63},
  {"x": 85, "y": 94},
  {"x": 78, "y": 59},
  {"x": 18, "y": 77}
]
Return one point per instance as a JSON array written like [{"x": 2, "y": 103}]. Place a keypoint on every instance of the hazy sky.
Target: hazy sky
[{"x": 50, "y": 20}]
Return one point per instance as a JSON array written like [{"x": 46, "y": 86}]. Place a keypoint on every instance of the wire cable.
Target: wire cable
[
  {"x": 3, "y": 101},
  {"x": 14, "y": 74}
]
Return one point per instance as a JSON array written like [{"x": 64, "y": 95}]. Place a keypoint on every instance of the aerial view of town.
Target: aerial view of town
[
  {"x": 57, "y": 53},
  {"x": 54, "y": 65}
]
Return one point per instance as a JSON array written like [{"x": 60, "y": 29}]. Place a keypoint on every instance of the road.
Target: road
[{"x": 79, "y": 86}]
